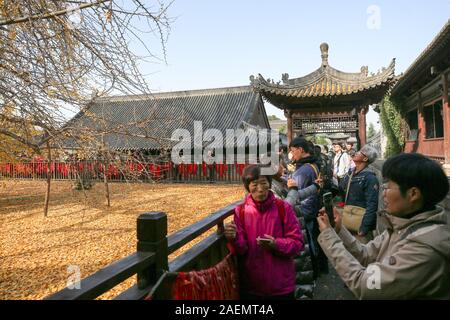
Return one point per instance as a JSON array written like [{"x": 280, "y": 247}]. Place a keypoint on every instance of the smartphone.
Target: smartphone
[
  {"x": 328, "y": 204},
  {"x": 264, "y": 240}
]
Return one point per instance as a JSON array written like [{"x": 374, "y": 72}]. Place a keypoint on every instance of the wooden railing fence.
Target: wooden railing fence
[{"x": 151, "y": 258}]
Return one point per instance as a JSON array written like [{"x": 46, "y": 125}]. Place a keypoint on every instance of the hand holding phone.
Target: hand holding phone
[{"x": 268, "y": 242}]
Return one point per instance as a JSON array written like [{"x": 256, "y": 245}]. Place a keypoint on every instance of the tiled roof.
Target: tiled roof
[
  {"x": 439, "y": 47},
  {"x": 325, "y": 81},
  {"x": 147, "y": 122}
]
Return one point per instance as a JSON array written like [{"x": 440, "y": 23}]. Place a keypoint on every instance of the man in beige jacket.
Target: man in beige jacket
[{"x": 411, "y": 258}]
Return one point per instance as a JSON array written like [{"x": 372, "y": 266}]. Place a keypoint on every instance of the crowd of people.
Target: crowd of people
[{"x": 400, "y": 251}]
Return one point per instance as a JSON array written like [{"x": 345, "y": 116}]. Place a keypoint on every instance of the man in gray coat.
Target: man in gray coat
[{"x": 411, "y": 258}]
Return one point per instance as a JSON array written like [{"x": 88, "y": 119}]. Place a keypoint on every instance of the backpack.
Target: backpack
[
  {"x": 281, "y": 213},
  {"x": 315, "y": 169}
]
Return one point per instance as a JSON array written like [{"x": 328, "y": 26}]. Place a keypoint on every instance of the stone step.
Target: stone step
[
  {"x": 304, "y": 277},
  {"x": 303, "y": 264},
  {"x": 304, "y": 290}
]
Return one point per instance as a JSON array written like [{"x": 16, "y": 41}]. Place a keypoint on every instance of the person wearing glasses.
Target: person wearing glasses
[
  {"x": 411, "y": 258},
  {"x": 360, "y": 188}
]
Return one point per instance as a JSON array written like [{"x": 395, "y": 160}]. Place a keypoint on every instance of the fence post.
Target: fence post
[{"x": 152, "y": 237}]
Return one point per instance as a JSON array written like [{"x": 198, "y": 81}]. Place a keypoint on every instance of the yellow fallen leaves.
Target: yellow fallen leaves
[{"x": 35, "y": 252}]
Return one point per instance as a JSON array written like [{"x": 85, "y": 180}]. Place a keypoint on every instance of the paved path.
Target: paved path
[{"x": 331, "y": 287}]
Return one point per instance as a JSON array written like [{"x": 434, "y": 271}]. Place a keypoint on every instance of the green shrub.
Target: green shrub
[{"x": 392, "y": 122}]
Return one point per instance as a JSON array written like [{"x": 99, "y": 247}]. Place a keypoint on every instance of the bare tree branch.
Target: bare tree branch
[
  {"x": 50, "y": 14},
  {"x": 57, "y": 56}
]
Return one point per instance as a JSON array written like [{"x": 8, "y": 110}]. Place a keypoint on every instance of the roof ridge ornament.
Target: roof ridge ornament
[
  {"x": 324, "y": 53},
  {"x": 365, "y": 70}
]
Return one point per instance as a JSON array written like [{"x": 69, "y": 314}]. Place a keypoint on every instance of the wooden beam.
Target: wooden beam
[
  {"x": 185, "y": 235},
  {"x": 446, "y": 118},
  {"x": 189, "y": 258},
  {"x": 106, "y": 278}
]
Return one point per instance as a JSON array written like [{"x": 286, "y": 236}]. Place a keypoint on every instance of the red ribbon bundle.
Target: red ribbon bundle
[{"x": 217, "y": 283}]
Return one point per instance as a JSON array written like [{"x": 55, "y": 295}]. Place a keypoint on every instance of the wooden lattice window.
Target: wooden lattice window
[
  {"x": 413, "y": 125},
  {"x": 434, "y": 122}
]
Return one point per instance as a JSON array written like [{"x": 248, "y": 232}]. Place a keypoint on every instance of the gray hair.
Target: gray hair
[{"x": 370, "y": 152}]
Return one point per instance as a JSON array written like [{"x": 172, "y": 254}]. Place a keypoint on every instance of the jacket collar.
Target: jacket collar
[
  {"x": 261, "y": 206},
  {"x": 308, "y": 159},
  {"x": 365, "y": 170},
  {"x": 397, "y": 223}
]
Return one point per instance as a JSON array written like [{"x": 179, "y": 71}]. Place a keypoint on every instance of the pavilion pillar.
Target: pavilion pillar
[
  {"x": 446, "y": 118},
  {"x": 362, "y": 126},
  {"x": 288, "y": 116}
]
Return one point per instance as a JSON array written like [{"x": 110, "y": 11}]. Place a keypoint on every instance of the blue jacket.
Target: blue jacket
[
  {"x": 305, "y": 176},
  {"x": 363, "y": 192}
]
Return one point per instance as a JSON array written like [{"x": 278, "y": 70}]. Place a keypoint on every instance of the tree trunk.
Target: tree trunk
[
  {"x": 49, "y": 179},
  {"x": 105, "y": 179},
  {"x": 105, "y": 172}
]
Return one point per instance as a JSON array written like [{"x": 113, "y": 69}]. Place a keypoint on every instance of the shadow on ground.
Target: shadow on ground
[{"x": 331, "y": 287}]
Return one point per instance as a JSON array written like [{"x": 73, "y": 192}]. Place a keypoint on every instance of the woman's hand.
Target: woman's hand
[
  {"x": 324, "y": 222},
  {"x": 291, "y": 183},
  {"x": 291, "y": 167},
  {"x": 267, "y": 243},
  {"x": 230, "y": 231}
]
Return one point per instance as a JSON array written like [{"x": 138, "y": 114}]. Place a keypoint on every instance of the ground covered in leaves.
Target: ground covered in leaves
[{"x": 36, "y": 252}]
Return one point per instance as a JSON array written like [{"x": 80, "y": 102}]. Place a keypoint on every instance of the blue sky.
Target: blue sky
[{"x": 221, "y": 43}]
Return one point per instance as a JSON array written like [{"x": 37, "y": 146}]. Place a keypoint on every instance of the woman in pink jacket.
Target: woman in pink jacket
[{"x": 266, "y": 236}]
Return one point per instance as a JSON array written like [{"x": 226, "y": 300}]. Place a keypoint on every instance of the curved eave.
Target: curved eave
[
  {"x": 326, "y": 82},
  {"x": 366, "y": 97}
]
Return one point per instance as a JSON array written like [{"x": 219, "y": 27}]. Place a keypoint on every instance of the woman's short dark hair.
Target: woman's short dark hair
[
  {"x": 299, "y": 142},
  {"x": 310, "y": 148},
  {"x": 251, "y": 173},
  {"x": 415, "y": 170}
]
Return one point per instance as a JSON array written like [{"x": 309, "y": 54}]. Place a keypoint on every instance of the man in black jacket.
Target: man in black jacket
[{"x": 363, "y": 191}]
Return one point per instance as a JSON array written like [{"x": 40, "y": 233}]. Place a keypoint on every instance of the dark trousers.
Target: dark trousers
[{"x": 318, "y": 258}]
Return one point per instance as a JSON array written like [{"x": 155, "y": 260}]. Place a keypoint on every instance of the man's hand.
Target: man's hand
[
  {"x": 230, "y": 231},
  {"x": 267, "y": 243},
  {"x": 324, "y": 222}
]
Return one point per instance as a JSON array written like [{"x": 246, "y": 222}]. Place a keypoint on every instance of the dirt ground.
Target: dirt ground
[{"x": 36, "y": 251}]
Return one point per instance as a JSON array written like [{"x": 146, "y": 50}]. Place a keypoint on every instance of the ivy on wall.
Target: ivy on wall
[{"x": 393, "y": 126}]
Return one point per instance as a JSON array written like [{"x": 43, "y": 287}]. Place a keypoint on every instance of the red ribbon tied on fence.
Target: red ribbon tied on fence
[{"x": 216, "y": 283}]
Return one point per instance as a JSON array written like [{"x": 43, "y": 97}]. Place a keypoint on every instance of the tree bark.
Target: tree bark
[
  {"x": 49, "y": 179},
  {"x": 105, "y": 179},
  {"x": 105, "y": 173}
]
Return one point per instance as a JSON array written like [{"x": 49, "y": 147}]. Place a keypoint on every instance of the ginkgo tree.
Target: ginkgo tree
[{"x": 58, "y": 56}]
